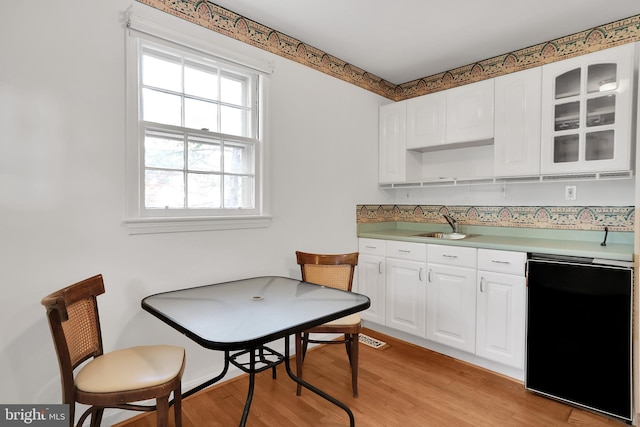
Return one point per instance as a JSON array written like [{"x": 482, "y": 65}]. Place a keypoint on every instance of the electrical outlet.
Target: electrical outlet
[{"x": 570, "y": 192}]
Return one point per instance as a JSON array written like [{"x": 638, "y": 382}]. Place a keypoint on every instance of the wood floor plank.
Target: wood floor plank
[{"x": 400, "y": 385}]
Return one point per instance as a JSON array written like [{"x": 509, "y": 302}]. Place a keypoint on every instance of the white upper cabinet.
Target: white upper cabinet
[
  {"x": 460, "y": 115},
  {"x": 517, "y": 123},
  {"x": 395, "y": 163},
  {"x": 426, "y": 121},
  {"x": 469, "y": 113},
  {"x": 586, "y": 112}
]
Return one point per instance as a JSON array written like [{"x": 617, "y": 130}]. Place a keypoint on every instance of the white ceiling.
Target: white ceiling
[{"x": 405, "y": 40}]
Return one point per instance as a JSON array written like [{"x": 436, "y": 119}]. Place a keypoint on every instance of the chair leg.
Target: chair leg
[
  {"x": 299, "y": 360},
  {"x": 305, "y": 344},
  {"x": 96, "y": 417},
  {"x": 353, "y": 360},
  {"x": 162, "y": 411},
  {"x": 177, "y": 405},
  {"x": 348, "y": 344}
]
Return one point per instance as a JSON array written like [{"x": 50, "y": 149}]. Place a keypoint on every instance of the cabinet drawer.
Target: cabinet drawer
[
  {"x": 507, "y": 262},
  {"x": 371, "y": 246},
  {"x": 452, "y": 255},
  {"x": 406, "y": 250}
]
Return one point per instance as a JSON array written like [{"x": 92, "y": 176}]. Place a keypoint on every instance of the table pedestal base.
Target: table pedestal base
[{"x": 260, "y": 359}]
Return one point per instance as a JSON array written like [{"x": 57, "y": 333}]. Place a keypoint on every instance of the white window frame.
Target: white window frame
[{"x": 146, "y": 221}]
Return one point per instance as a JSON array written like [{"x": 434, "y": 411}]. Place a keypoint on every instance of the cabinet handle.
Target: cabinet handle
[
  {"x": 420, "y": 274},
  {"x": 497, "y": 261},
  {"x": 380, "y": 267},
  {"x": 482, "y": 284},
  {"x": 406, "y": 251},
  {"x": 371, "y": 247},
  {"x": 449, "y": 256},
  {"x": 429, "y": 276}
]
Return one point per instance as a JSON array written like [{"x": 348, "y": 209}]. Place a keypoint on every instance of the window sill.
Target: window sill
[{"x": 185, "y": 224}]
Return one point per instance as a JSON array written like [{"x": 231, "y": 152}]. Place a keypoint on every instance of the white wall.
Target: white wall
[{"x": 62, "y": 128}]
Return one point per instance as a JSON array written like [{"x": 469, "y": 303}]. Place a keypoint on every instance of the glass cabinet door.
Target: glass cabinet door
[{"x": 585, "y": 133}]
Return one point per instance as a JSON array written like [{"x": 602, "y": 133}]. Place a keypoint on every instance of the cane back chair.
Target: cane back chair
[
  {"x": 116, "y": 379},
  {"x": 337, "y": 272}
]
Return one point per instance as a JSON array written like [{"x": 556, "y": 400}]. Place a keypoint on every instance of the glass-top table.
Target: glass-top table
[{"x": 244, "y": 315}]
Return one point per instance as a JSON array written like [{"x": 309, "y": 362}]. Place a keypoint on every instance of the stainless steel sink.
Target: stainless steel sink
[{"x": 440, "y": 235}]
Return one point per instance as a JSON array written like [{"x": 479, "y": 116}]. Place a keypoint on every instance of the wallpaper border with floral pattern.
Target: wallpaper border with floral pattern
[
  {"x": 224, "y": 21},
  {"x": 617, "y": 218}
]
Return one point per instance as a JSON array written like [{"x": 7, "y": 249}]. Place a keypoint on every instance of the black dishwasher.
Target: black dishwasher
[{"x": 578, "y": 346}]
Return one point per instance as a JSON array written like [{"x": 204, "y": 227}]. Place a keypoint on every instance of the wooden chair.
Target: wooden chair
[
  {"x": 335, "y": 271},
  {"x": 112, "y": 380}
]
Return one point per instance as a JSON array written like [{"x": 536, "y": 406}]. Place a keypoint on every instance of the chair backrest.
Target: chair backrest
[
  {"x": 75, "y": 327},
  {"x": 335, "y": 271}
]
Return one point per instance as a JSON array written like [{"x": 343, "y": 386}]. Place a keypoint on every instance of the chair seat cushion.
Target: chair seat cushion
[
  {"x": 131, "y": 369},
  {"x": 350, "y": 320}
]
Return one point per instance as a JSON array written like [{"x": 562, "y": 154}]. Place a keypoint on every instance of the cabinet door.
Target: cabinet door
[
  {"x": 406, "y": 293},
  {"x": 451, "y": 306},
  {"x": 371, "y": 282},
  {"x": 426, "y": 120},
  {"x": 395, "y": 163},
  {"x": 501, "y": 318},
  {"x": 517, "y": 123},
  {"x": 470, "y": 112},
  {"x": 586, "y": 112}
]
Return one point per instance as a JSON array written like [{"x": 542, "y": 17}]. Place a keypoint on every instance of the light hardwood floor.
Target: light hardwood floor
[{"x": 400, "y": 385}]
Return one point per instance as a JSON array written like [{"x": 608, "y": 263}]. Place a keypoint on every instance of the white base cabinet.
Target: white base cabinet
[
  {"x": 501, "y": 300},
  {"x": 406, "y": 292},
  {"x": 466, "y": 299},
  {"x": 451, "y": 296},
  {"x": 371, "y": 278}
]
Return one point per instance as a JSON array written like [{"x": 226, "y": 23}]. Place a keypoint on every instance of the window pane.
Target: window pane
[
  {"x": 565, "y": 149},
  {"x": 238, "y": 192},
  {"x": 232, "y": 89},
  {"x": 163, "y": 151},
  {"x": 601, "y": 110},
  {"x": 568, "y": 84},
  {"x": 234, "y": 121},
  {"x": 201, "y": 81},
  {"x": 599, "y": 145},
  {"x": 567, "y": 116},
  {"x": 602, "y": 77},
  {"x": 204, "y": 156},
  {"x": 238, "y": 158},
  {"x": 198, "y": 144},
  {"x": 204, "y": 191},
  {"x": 163, "y": 189},
  {"x": 200, "y": 115},
  {"x": 161, "y": 107},
  {"x": 161, "y": 71}
]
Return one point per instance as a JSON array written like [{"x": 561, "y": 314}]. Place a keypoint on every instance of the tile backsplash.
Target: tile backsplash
[{"x": 617, "y": 218}]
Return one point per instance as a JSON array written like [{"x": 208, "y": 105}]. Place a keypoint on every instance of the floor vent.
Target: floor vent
[{"x": 371, "y": 342}]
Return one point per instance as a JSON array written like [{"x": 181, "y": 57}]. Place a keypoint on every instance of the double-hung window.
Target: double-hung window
[{"x": 195, "y": 150}]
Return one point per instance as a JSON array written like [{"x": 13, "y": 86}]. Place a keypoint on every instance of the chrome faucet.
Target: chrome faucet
[{"x": 452, "y": 222}]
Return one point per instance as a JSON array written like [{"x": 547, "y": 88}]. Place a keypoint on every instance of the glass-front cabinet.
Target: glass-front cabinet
[{"x": 587, "y": 112}]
